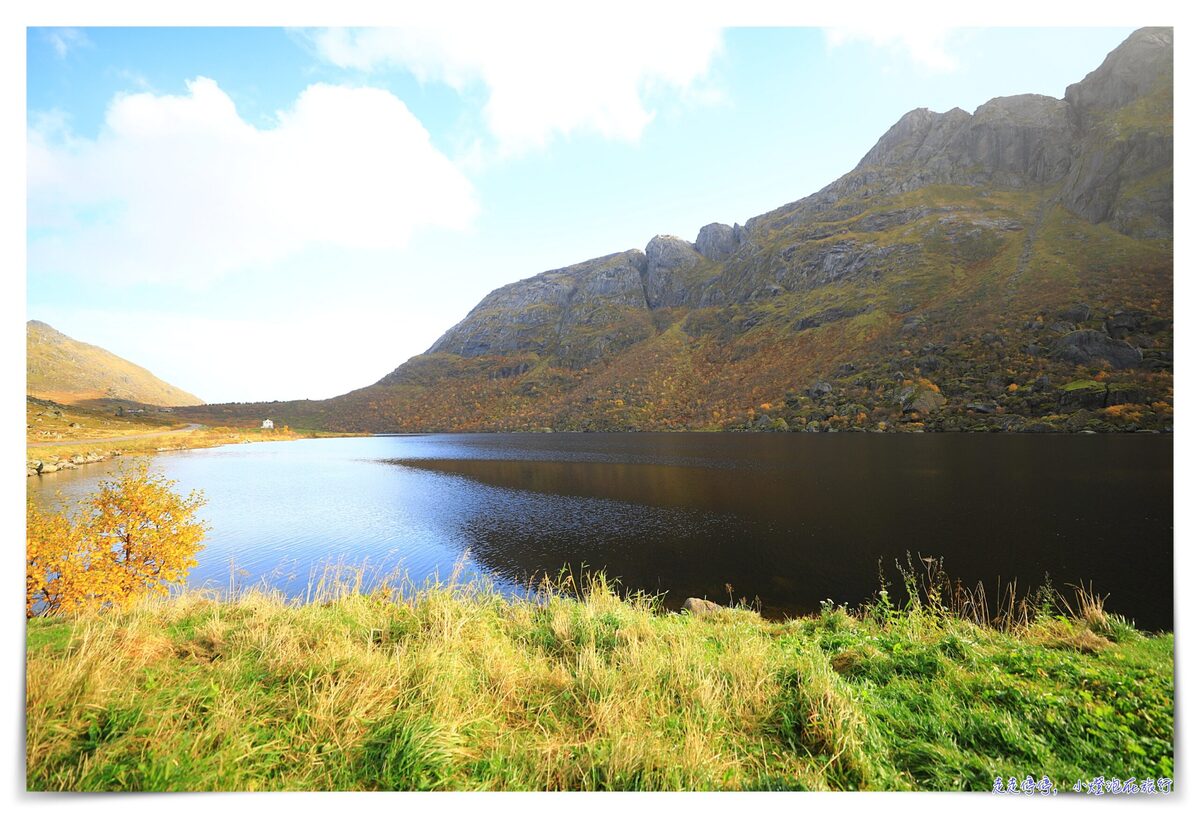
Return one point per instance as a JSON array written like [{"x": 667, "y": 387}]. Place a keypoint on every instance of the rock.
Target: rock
[
  {"x": 929, "y": 363},
  {"x": 552, "y": 309},
  {"x": 48, "y": 468},
  {"x": 1124, "y": 324},
  {"x": 1119, "y": 179},
  {"x": 1084, "y": 394},
  {"x": 1087, "y": 345},
  {"x": 1023, "y": 139},
  {"x": 1125, "y": 393},
  {"x": 718, "y": 241},
  {"x": 927, "y": 401},
  {"x": 982, "y": 408},
  {"x": 701, "y": 607},
  {"x": 1128, "y": 72},
  {"x": 665, "y": 256},
  {"x": 828, "y": 316},
  {"x": 819, "y": 390},
  {"x": 1076, "y": 314}
]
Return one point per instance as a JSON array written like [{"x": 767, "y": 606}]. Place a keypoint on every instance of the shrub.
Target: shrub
[{"x": 132, "y": 537}]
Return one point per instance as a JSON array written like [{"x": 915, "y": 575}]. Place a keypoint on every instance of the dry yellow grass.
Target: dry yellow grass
[{"x": 455, "y": 687}]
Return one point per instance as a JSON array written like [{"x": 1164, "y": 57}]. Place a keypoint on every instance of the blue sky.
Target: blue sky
[{"x": 259, "y": 214}]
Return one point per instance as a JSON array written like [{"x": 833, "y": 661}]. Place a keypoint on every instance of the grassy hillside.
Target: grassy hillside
[
  {"x": 459, "y": 688},
  {"x": 62, "y": 369},
  {"x": 59, "y": 436},
  {"x": 49, "y": 422},
  {"x": 981, "y": 286}
]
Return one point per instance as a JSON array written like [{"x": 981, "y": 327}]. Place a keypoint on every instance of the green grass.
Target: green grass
[{"x": 454, "y": 687}]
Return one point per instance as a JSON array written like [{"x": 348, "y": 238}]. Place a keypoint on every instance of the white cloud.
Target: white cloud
[
  {"x": 182, "y": 189},
  {"x": 64, "y": 40},
  {"x": 598, "y": 76},
  {"x": 924, "y": 45}
]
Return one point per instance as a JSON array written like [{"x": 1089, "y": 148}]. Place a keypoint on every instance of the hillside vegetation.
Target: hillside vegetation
[
  {"x": 62, "y": 437},
  {"x": 1007, "y": 269},
  {"x": 452, "y": 687},
  {"x": 64, "y": 370}
]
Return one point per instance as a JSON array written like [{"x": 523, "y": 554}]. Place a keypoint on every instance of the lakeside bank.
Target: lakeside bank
[{"x": 446, "y": 687}]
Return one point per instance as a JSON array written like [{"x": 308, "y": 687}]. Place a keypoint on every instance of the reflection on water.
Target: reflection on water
[{"x": 789, "y": 519}]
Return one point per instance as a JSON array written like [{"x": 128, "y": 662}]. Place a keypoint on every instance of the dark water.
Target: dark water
[{"x": 789, "y": 519}]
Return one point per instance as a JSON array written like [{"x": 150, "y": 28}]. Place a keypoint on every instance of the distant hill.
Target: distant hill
[
  {"x": 62, "y": 369},
  {"x": 1007, "y": 269}
]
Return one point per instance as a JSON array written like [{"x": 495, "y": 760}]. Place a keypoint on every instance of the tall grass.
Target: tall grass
[{"x": 375, "y": 682}]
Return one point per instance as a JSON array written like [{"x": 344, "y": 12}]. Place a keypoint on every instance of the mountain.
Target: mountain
[
  {"x": 1009, "y": 268},
  {"x": 62, "y": 369}
]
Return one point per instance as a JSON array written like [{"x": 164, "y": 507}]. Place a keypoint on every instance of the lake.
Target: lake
[{"x": 787, "y": 519}]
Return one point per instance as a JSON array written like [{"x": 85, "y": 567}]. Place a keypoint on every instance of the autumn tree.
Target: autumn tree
[{"x": 134, "y": 536}]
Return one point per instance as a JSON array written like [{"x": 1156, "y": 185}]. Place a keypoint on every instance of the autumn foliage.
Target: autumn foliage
[{"x": 134, "y": 536}]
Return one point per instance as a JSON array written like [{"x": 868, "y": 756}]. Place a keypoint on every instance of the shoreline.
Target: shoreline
[{"x": 196, "y": 439}]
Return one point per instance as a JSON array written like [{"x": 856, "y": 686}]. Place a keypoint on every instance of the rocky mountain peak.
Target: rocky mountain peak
[
  {"x": 1008, "y": 140},
  {"x": 1130, "y": 71},
  {"x": 716, "y": 242},
  {"x": 665, "y": 257},
  {"x": 536, "y": 314}
]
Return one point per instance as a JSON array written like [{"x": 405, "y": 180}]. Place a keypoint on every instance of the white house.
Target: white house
[{"x": 268, "y": 424}]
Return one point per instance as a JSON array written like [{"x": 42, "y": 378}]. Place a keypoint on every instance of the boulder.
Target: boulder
[
  {"x": 700, "y": 607},
  {"x": 1084, "y": 394},
  {"x": 929, "y": 363},
  {"x": 718, "y": 241},
  {"x": 1087, "y": 345},
  {"x": 927, "y": 401},
  {"x": 1076, "y": 314},
  {"x": 819, "y": 390}
]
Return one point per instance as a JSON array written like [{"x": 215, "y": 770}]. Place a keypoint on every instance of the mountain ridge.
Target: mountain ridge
[
  {"x": 947, "y": 257},
  {"x": 65, "y": 370}
]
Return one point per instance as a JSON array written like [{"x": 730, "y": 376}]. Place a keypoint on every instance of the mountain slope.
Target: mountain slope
[
  {"x": 62, "y": 369},
  {"x": 1006, "y": 269}
]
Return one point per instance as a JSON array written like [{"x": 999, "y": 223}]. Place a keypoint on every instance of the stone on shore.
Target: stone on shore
[{"x": 700, "y": 607}]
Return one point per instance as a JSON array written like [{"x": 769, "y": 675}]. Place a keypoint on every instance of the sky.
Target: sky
[{"x": 280, "y": 213}]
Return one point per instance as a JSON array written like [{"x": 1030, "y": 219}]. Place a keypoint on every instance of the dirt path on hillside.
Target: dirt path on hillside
[{"x": 191, "y": 427}]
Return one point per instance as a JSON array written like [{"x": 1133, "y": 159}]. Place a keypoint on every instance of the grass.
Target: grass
[
  {"x": 63, "y": 431},
  {"x": 457, "y": 687},
  {"x": 197, "y": 439}
]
